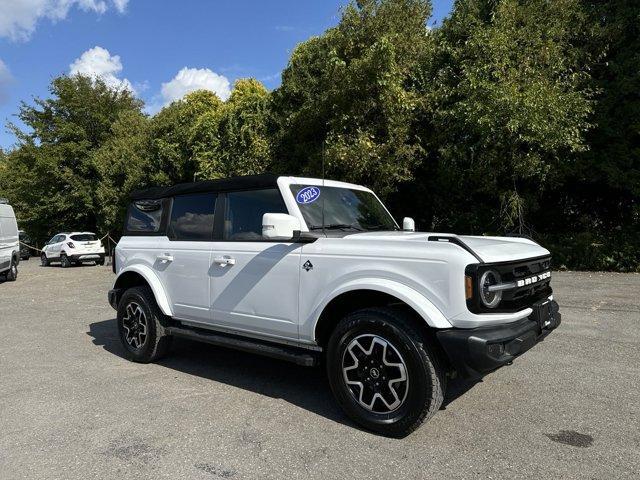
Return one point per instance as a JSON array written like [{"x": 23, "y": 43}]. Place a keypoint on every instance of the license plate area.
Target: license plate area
[{"x": 542, "y": 314}]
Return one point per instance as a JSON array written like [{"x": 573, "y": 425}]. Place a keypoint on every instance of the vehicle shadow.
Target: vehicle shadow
[{"x": 304, "y": 387}]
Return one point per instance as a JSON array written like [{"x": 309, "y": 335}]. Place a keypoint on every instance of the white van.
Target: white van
[{"x": 9, "y": 246}]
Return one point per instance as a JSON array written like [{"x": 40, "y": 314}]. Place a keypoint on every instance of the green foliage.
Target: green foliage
[
  {"x": 124, "y": 164},
  {"x": 51, "y": 174},
  {"x": 233, "y": 140},
  {"x": 513, "y": 116},
  {"x": 171, "y": 132},
  {"x": 344, "y": 95}
]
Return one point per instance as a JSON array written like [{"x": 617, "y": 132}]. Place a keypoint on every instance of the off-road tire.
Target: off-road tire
[
  {"x": 426, "y": 377},
  {"x": 44, "y": 261},
  {"x": 65, "y": 262},
  {"x": 157, "y": 342}
]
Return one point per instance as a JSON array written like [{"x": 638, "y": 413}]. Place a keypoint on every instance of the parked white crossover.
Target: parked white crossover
[{"x": 73, "y": 248}]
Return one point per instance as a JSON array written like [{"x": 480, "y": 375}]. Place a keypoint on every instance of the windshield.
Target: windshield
[
  {"x": 84, "y": 237},
  {"x": 344, "y": 209}
]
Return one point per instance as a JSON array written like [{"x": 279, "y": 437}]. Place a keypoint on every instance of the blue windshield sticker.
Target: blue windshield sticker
[{"x": 308, "y": 195}]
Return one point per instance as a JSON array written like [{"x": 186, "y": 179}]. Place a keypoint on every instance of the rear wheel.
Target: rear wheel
[
  {"x": 382, "y": 372},
  {"x": 139, "y": 325},
  {"x": 64, "y": 261},
  {"x": 44, "y": 260},
  {"x": 100, "y": 262}
]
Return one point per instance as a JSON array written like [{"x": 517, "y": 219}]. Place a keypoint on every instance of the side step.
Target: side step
[{"x": 298, "y": 356}]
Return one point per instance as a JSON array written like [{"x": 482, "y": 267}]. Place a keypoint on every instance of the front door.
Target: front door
[
  {"x": 254, "y": 283},
  {"x": 183, "y": 257}
]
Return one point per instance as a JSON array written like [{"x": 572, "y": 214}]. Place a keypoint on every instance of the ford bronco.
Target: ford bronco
[{"x": 319, "y": 272}]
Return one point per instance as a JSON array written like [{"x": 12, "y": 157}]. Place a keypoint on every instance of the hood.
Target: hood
[{"x": 487, "y": 249}]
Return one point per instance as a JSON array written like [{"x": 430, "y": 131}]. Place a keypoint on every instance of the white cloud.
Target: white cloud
[
  {"x": 97, "y": 62},
  {"x": 18, "y": 18},
  {"x": 5, "y": 79},
  {"x": 190, "y": 79},
  {"x": 121, "y": 5}
]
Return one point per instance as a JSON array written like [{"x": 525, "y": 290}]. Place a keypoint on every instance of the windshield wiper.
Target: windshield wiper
[{"x": 336, "y": 226}]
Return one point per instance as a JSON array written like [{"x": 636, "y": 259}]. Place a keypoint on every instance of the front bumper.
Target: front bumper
[{"x": 477, "y": 351}]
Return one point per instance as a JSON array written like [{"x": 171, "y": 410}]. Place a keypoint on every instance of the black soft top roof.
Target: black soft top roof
[{"x": 247, "y": 182}]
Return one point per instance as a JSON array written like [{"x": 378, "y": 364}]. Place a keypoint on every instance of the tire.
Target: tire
[
  {"x": 390, "y": 340},
  {"x": 44, "y": 261},
  {"x": 138, "y": 305},
  {"x": 64, "y": 261},
  {"x": 100, "y": 263},
  {"x": 12, "y": 273}
]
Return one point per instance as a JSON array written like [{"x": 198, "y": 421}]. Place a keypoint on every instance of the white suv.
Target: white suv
[
  {"x": 9, "y": 245},
  {"x": 315, "y": 271},
  {"x": 73, "y": 248}
]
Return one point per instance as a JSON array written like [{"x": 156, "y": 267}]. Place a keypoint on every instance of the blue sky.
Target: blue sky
[{"x": 160, "y": 49}]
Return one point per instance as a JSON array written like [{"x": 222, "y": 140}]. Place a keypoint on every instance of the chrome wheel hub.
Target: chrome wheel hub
[
  {"x": 375, "y": 373},
  {"x": 135, "y": 325}
]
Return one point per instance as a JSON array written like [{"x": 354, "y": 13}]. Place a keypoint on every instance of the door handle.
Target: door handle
[
  {"x": 224, "y": 261},
  {"x": 166, "y": 258}
]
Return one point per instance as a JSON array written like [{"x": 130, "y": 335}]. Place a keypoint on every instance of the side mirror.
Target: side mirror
[
  {"x": 279, "y": 226},
  {"x": 408, "y": 224}
]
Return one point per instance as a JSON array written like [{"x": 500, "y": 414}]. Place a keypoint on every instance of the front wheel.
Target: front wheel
[
  {"x": 382, "y": 372},
  {"x": 139, "y": 325},
  {"x": 44, "y": 260},
  {"x": 12, "y": 274}
]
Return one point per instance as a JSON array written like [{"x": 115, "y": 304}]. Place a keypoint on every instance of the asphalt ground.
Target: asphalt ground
[{"x": 71, "y": 407}]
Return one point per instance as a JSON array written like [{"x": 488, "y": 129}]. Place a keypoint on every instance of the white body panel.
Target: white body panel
[
  {"x": 259, "y": 293},
  {"x": 9, "y": 246},
  {"x": 265, "y": 288}
]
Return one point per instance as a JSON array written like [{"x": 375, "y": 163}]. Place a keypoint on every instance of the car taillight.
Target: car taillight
[{"x": 71, "y": 245}]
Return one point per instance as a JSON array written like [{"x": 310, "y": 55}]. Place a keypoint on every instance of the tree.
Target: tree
[
  {"x": 171, "y": 132},
  {"x": 505, "y": 102},
  {"x": 51, "y": 177},
  {"x": 233, "y": 140},
  {"x": 345, "y": 96},
  {"x": 124, "y": 164}
]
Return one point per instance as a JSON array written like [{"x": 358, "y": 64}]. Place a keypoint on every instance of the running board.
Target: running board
[{"x": 298, "y": 356}]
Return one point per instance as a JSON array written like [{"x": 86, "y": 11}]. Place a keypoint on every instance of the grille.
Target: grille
[{"x": 522, "y": 297}]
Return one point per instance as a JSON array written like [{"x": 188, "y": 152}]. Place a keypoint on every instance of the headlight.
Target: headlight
[{"x": 490, "y": 299}]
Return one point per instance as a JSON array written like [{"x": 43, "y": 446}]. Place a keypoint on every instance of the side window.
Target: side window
[
  {"x": 192, "y": 217},
  {"x": 144, "y": 216},
  {"x": 244, "y": 211}
]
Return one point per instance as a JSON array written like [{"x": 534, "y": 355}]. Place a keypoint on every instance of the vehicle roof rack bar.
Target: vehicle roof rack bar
[{"x": 455, "y": 241}]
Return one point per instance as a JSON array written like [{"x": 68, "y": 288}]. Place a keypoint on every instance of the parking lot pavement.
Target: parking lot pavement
[{"x": 71, "y": 407}]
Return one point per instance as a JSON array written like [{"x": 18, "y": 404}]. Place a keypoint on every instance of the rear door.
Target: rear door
[
  {"x": 183, "y": 258},
  {"x": 254, "y": 283}
]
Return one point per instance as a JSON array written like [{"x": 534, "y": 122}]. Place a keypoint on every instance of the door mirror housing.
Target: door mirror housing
[
  {"x": 408, "y": 224},
  {"x": 279, "y": 226}
]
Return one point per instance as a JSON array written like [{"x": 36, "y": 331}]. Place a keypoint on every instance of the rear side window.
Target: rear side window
[
  {"x": 84, "y": 237},
  {"x": 244, "y": 211},
  {"x": 192, "y": 217},
  {"x": 144, "y": 216}
]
